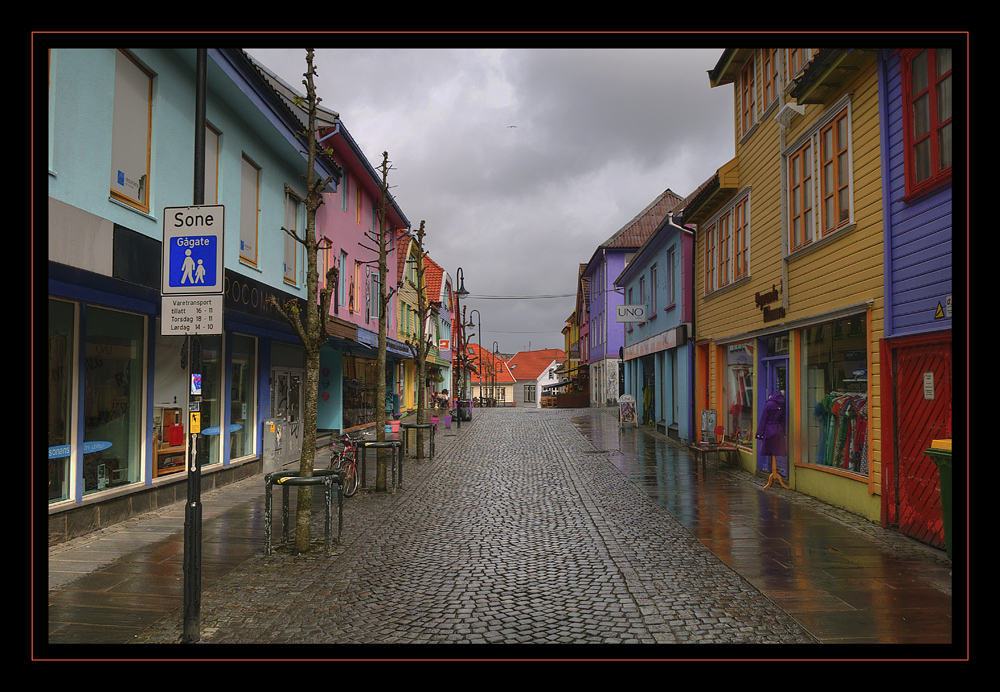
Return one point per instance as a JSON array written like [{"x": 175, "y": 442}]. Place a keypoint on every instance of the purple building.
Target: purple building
[
  {"x": 607, "y": 337},
  {"x": 915, "y": 87}
]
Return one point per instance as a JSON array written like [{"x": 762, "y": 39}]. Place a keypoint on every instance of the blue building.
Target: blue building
[
  {"x": 121, "y": 149},
  {"x": 606, "y": 337},
  {"x": 915, "y": 87},
  {"x": 658, "y": 355}
]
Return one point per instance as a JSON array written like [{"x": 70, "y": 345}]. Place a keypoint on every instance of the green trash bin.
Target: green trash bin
[{"x": 940, "y": 453}]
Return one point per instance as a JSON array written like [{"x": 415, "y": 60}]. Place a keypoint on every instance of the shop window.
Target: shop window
[
  {"x": 737, "y": 395},
  {"x": 835, "y": 394},
  {"x": 206, "y": 360},
  {"x": 130, "y": 132},
  {"x": 113, "y": 404},
  {"x": 60, "y": 402},
  {"x": 243, "y": 400}
]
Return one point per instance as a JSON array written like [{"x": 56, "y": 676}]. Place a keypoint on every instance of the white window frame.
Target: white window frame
[
  {"x": 712, "y": 226},
  {"x": 813, "y": 136}
]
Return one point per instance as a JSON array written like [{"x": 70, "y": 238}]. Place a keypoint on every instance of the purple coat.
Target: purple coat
[{"x": 771, "y": 429}]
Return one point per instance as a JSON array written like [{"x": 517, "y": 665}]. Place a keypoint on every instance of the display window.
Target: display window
[
  {"x": 835, "y": 398},
  {"x": 62, "y": 318},
  {"x": 243, "y": 387},
  {"x": 112, "y": 401},
  {"x": 737, "y": 394},
  {"x": 360, "y": 389}
]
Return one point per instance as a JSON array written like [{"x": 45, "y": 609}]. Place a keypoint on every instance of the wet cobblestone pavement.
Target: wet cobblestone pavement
[{"x": 527, "y": 527}]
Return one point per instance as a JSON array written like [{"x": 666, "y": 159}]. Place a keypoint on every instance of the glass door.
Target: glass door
[
  {"x": 772, "y": 427},
  {"x": 286, "y": 403}
]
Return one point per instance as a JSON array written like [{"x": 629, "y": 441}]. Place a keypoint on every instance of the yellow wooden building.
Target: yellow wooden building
[{"x": 788, "y": 275}]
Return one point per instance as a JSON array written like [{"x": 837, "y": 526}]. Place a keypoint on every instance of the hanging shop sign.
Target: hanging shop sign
[{"x": 763, "y": 301}]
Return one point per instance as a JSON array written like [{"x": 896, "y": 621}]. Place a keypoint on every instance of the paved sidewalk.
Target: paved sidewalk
[{"x": 528, "y": 526}]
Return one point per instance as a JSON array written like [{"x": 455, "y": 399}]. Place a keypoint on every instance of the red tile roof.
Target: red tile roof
[
  {"x": 636, "y": 231},
  {"x": 528, "y": 365}
]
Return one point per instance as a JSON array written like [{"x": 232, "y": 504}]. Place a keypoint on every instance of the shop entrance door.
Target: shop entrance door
[
  {"x": 775, "y": 382},
  {"x": 286, "y": 403}
]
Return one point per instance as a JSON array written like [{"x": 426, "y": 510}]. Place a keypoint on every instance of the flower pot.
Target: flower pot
[
  {"x": 446, "y": 419},
  {"x": 393, "y": 426}
]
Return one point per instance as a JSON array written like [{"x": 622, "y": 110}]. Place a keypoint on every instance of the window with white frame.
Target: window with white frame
[
  {"x": 727, "y": 245},
  {"x": 820, "y": 179},
  {"x": 748, "y": 97},
  {"x": 768, "y": 76},
  {"x": 652, "y": 290}
]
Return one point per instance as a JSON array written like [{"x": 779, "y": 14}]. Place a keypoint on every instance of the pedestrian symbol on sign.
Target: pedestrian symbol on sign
[{"x": 192, "y": 261}]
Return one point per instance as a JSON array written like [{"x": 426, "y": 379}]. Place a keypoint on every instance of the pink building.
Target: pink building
[{"x": 349, "y": 222}]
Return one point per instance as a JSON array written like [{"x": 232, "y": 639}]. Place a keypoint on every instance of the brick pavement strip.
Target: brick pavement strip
[{"x": 515, "y": 533}]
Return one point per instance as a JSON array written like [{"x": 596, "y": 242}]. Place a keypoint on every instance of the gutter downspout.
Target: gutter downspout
[{"x": 689, "y": 433}]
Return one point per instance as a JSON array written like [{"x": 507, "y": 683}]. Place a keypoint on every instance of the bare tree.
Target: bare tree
[
  {"x": 385, "y": 295},
  {"x": 422, "y": 347},
  {"x": 309, "y": 320}
]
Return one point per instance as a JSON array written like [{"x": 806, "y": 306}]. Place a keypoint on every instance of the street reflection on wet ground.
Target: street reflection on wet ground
[{"x": 842, "y": 585}]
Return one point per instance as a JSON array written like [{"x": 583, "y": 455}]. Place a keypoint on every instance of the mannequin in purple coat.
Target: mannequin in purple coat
[{"x": 771, "y": 430}]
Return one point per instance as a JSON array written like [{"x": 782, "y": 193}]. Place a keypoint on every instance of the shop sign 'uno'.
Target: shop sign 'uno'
[{"x": 192, "y": 249}]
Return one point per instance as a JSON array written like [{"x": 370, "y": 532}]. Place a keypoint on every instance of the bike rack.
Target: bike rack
[
  {"x": 395, "y": 446},
  {"x": 325, "y": 477},
  {"x": 407, "y": 427}
]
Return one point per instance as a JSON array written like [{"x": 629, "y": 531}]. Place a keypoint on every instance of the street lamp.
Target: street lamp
[
  {"x": 496, "y": 375},
  {"x": 479, "y": 320},
  {"x": 459, "y": 294}
]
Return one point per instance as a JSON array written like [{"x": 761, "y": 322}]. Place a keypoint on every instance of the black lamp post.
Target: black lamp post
[
  {"x": 479, "y": 357},
  {"x": 459, "y": 294},
  {"x": 496, "y": 374}
]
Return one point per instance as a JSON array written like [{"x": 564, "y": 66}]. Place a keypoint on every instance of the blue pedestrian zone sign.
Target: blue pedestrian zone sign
[
  {"x": 192, "y": 261},
  {"x": 192, "y": 249}
]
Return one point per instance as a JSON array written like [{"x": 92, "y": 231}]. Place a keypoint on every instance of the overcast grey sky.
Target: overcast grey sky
[{"x": 522, "y": 161}]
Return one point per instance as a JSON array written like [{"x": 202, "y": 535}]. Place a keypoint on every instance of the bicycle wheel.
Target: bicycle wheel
[{"x": 350, "y": 477}]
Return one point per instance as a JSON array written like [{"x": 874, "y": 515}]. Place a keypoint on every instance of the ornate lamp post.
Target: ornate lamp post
[{"x": 459, "y": 294}]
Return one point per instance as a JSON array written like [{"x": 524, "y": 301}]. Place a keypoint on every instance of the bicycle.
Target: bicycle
[{"x": 347, "y": 461}]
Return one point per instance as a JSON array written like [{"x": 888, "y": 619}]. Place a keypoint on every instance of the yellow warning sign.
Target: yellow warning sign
[{"x": 939, "y": 313}]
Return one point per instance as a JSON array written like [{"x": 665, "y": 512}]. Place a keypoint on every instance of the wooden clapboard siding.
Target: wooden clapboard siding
[
  {"x": 844, "y": 269},
  {"x": 919, "y": 271}
]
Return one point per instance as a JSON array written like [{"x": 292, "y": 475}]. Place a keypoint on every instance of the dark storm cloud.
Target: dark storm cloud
[{"x": 522, "y": 161}]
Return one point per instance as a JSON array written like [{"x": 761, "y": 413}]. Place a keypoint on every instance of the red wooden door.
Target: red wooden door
[{"x": 923, "y": 413}]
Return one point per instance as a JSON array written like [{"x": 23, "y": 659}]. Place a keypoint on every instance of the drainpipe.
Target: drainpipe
[
  {"x": 689, "y": 433},
  {"x": 335, "y": 131}
]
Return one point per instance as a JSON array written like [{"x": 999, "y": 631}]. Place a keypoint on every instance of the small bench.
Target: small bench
[{"x": 704, "y": 448}]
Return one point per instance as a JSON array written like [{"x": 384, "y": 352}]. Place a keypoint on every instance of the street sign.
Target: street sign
[
  {"x": 192, "y": 249},
  {"x": 190, "y": 315}
]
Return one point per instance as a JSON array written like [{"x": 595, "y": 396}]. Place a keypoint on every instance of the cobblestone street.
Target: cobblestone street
[{"x": 518, "y": 531}]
